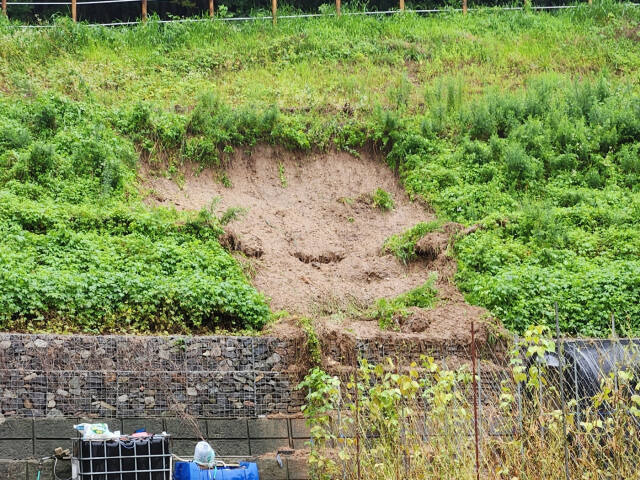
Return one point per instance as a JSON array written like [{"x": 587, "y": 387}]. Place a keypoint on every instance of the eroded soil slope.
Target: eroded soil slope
[
  {"x": 310, "y": 225},
  {"x": 314, "y": 238}
]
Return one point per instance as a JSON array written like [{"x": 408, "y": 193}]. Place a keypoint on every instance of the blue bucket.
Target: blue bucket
[{"x": 191, "y": 471}]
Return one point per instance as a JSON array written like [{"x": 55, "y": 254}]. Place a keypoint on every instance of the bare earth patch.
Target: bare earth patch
[{"x": 315, "y": 239}]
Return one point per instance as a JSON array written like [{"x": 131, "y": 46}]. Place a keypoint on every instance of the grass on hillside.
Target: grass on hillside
[{"x": 525, "y": 122}]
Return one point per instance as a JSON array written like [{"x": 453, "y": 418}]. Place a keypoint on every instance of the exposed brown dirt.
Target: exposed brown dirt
[{"x": 315, "y": 240}]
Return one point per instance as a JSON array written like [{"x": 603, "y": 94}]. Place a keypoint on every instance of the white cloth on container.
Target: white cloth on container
[{"x": 96, "y": 431}]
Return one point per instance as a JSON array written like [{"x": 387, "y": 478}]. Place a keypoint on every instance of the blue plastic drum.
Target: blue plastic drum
[{"x": 191, "y": 471}]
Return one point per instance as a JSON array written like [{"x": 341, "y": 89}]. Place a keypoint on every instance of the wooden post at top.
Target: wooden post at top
[
  {"x": 74, "y": 11},
  {"x": 590, "y": 2},
  {"x": 144, "y": 10},
  {"x": 338, "y": 4},
  {"x": 464, "y": 7},
  {"x": 274, "y": 11},
  {"x": 4, "y": 8},
  {"x": 211, "y": 8},
  {"x": 402, "y": 5}
]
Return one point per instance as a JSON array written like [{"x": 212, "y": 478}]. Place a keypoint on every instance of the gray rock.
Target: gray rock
[
  {"x": 123, "y": 398},
  {"x": 5, "y": 344},
  {"x": 39, "y": 343},
  {"x": 273, "y": 359}
]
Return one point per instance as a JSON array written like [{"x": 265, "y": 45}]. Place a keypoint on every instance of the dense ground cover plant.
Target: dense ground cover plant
[
  {"x": 80, "y": 252},
  {"x": 547, "y": 163},
  {"x": 548, "y": 173}
]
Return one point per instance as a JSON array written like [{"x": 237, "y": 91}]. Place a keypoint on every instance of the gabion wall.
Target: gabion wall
[{"x": 127, "y": 376}]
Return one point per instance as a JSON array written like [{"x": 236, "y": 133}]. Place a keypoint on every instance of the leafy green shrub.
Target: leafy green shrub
[
  {"x": 403, "y": 245},
  {"x": 563, "y": 162},
  {"x": 476, "y": 152},
  {"x": 231, "y": 214},
  {"x": 40, "y": 160},
  {"x": 386, "y": 127},
  {"x": 13, "y": 135},
  {"x": 313, "y": 341},
  {"x": 593, "y": 178},
  {"x": 520, "y": 167},
  {"x": 629, "y": 159},
  {"x": 202, "y": 150},
  {"x": 46, "y": 117},
  {"x": 290, "y": 133},
  {"x": 382, "y": 199},
  {"x": 482, "y": 124}
]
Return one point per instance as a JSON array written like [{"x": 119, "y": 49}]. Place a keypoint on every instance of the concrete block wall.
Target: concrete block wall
[{"x": 23, "y": 441}]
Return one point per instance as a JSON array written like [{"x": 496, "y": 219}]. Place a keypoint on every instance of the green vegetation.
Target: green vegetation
[
  {"x": 387, "y": 311},
  {"x": 81, "y": 252},
  {"x": 403, "y": 245},
  {"x": 393, "y": 404},
  {"x": 536, "y": 138},
  {"x": 282, "y": 175},
  {"x": 547, "y": 171},
  {"x": 382, "y": 199},
  {"x": 313, "y": 342}
]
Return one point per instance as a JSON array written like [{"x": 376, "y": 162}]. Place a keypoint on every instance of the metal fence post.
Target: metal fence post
[
  {"x": 357, "y": 420},
  {"x": 560, "y": 346},
  {"x": 614, "y": 337},
  {"x": 475, "y": 399}
]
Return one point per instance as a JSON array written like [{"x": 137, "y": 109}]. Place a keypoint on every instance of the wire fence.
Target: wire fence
[
  {"x": 73, "y": 4},
  {"x": 538, "y": 407}
]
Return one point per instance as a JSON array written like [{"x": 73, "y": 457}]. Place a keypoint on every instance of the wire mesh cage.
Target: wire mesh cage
[{"x": 123, "y": 459}]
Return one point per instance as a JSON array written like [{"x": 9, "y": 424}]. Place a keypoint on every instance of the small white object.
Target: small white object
[
  {"x": 204, "y": 455},
  {"x": 96, "y": 431}
]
